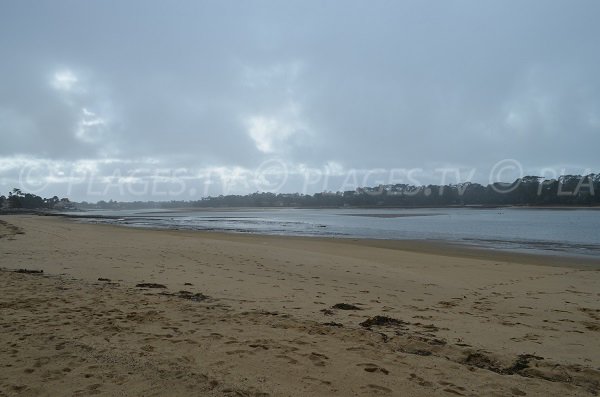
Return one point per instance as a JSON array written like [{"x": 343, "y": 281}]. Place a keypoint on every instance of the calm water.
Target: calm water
[{"x": 548, "y": 231}]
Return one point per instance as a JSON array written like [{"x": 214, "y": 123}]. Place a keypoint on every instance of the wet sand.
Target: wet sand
[{"x": 264, "y": 315}]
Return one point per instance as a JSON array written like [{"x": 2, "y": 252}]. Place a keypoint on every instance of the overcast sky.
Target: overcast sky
[{"x": 208, "y": 93}]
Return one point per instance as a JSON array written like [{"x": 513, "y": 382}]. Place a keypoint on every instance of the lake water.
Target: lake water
[{"x": 575, "y": 231}]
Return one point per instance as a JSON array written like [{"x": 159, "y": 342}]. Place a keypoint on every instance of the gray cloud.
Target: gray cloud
[{"x": 207, "y": 85}]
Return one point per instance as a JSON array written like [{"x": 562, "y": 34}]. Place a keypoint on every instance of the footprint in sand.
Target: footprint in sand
[
  {"x": 239, "y": 352},
  {"x": 318, "y": 359},
  {"x": 376, "y": 389},
  {"x": 373, "y": 368},
  {"x": 452, "y": 388},
  {"x": 420, "y": 381},
  {"x": 316, "y": 380},
  {"x": 288, "y": 358}
]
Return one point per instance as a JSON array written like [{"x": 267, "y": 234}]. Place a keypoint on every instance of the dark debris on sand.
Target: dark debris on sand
[
  {"x": 382, "y": 321},
  {"x": 480, "y": 360},
  {"x": 418, "y": 352},
  {"x": 345, "y": 306},
  {"x": 150, "y": 285},
  {"x": 521, "y": 363},
  {"x": 197, "y": 297},
  {"x": 28, "y": 271}
]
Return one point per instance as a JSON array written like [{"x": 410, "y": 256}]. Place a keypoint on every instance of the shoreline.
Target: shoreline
[
  {"x": 530, "y": 252},
  {"x": 432, "y": 246},
  {"x": 264, "y": 315}
]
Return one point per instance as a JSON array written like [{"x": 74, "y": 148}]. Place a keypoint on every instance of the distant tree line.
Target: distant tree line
[
  {"x": 16, "y": 199},
  {"x": 568, "y": 190}
]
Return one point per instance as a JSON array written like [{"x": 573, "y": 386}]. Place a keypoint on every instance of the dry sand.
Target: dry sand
[{"x": 258, "y": 317}]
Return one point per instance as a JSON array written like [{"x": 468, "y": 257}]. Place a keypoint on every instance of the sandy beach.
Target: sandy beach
[{"x": 248, "y": 315}]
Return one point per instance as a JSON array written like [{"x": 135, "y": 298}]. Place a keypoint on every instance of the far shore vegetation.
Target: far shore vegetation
[{"x": 565, "y": 191}]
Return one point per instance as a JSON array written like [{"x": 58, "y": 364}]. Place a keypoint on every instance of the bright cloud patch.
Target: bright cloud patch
[
  {"x": 64, "y": 80},
  {"x": 275, "y": 134},
  {"x": 268, "y": 133},
  {"x": 90, "y": 127}
]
